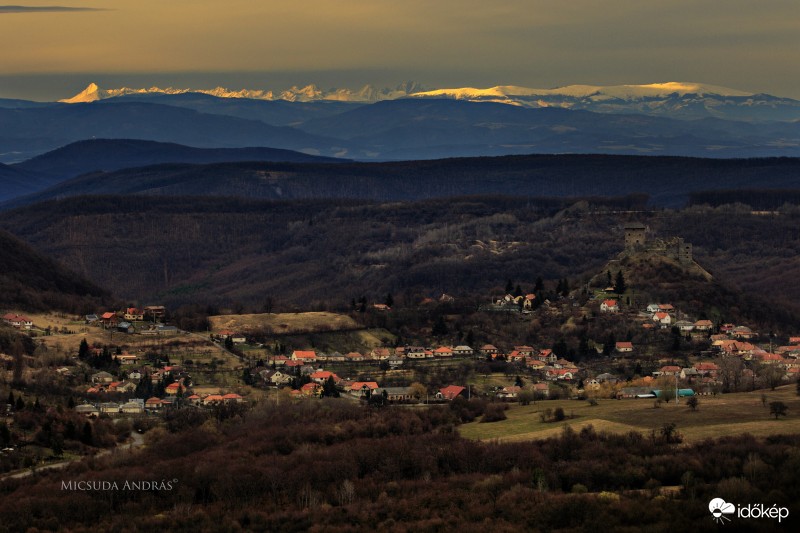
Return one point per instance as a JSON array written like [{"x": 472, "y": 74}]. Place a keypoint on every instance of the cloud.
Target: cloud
[{"x": 45, "y": 9}]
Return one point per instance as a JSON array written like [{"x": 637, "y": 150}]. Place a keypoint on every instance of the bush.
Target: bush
[
  {"x": 494, "y": 412},
  {"x": 558, "y": 414}
]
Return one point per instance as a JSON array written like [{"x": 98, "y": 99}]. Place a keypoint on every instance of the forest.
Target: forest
[
  {"x": 320, "y": 255},
  {"x": 333, "y": 465},
  {"x": 667, "y": 180}
]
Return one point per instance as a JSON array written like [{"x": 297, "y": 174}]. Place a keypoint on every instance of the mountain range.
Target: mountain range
[{"x": 674, "y": 99}]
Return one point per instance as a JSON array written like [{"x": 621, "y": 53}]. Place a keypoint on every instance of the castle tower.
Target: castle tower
[{"x": 635, "y": 235}]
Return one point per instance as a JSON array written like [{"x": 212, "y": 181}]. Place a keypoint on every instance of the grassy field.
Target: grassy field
[
  {"x": 284, "y": 323},
  {"x": 729, "y": 414}
]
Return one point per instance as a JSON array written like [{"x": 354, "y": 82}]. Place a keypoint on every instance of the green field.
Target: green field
[{"x": 729, "y": 414}]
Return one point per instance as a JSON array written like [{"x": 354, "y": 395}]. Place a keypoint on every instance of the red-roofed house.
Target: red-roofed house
[
  {"x": 232, "y": 397},
  {"x": 609, "y": 306},
  {"x": 794, "y": 340},
  {"x": 443, "y": 351},
  {"x": 451, "y": 392},
  {"x": 109, "y": 319},
  {"x": 311, "y": 389},
  {"x": 362, "y": 388},
  {"x": 669, "y": 370},
  {"x": 18, "y": 321},
  {"x": 306, "y": 356},
  {"x": 703, "y": 325},
  {"x": 662, "y": 318},
  {"x": 624, "y": 346},
  {"x": 213, "y": 399},
  {"x": 153, "y": 404},
  {"x": 323, "y": 375}
]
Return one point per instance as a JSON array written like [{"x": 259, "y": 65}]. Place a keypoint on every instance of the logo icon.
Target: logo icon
[{"x": 719, "y": 508}]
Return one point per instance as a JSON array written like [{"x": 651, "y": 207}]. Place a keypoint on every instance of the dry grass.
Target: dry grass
[
  {"x": 730, "y": 414},
  {"x": 284, "y": 323}
]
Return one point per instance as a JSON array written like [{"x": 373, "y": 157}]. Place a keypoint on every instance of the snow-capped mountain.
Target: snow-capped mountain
[
  {"x": 309, "y": 93},
  {"x": 674, "y": 99}
]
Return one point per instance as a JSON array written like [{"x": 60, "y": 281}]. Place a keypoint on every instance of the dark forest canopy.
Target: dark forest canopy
[
  {"x": 667, "y": 180},
  {"x": 334, "y": 465},
  {"x": 32, "y": 282},
  {"x": 315, "y": 254}
]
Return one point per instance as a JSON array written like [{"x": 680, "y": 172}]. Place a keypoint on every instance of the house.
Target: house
[
  {"x": 306, "y": 356},
  {"x": 108, "y": 319},
  {"x": 463, "y": 351},
  {"x": 363, "y": 389},
  {"x": 609, "y": 306},
  {"x": 396, "y": 394},
  {"x": 794, "y": 340},
  {"x": 155, "y": 312},
  {"x": 662, "y": 318},
  {"x": 703, "y": 325},
  {"x": 174, "y": 388},
  {"x": 743, "y": 332},
  {"x": 380, "y": 354},
  {"x": 238, "y": 338},
  {"x": 132, "y": 313},
  {"x": 709, "y": 369},
  {"x": 536, "y": 364},
  {"x": 509, "y": 393},
  {"x": 167, "y": 330},
  {"x": 132, "y": 408},
  {"x": 232, "y": 397},
  {"x": 126, "y": 359},
  {"x": 381, "y": 307},
  {"x": 451, "y": 392},
  {"x": 353, "y": 357},
  {"x": 607, "y": 378},
  {"x": 18, "y": 321},
  {"x": 624, "y": 347},
  {"x": 323, "y": 375},
  {"x": 653, "y": 308},
  {"x": 515, "y": 356},
  {"x": 122, "y": 386},
  {"x": 684, "y": 326},
  {"x": 102, "y": 377},
  {"x": 489, "y": 350},
  {"x": 524, "y": 350},
  {"x": 527, "y": 303},
  {"x": 195, "y": 399},
  {"x": 443, "y": 351},
  {"x": 213, "y": 399},
  {"x": 109, "y": 408},
  {"x": 91, "y": 319},
  {"x": 87, "y": 410},
  {"x": 153, "y": 404},
  {"x": 541, "y": 389},
  {"x": 669, "y": 370},
  {"x": 770, "y": 358},
  {"x": 275, "y": 377}
]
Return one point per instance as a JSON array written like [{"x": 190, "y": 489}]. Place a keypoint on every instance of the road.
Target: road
[{"x": 136, "y": 441}]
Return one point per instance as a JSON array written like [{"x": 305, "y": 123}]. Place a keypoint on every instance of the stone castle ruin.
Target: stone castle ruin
[{"x": 673, "y": 248}]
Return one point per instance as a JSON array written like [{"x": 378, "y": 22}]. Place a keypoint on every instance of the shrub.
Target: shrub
[{"x": 494, "y": 412}]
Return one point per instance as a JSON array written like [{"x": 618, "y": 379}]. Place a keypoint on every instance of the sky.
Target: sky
[{"x": 52, "y": 49}]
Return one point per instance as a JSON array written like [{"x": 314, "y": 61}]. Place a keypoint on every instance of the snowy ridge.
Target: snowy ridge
[{"x": 309, "y": 93}]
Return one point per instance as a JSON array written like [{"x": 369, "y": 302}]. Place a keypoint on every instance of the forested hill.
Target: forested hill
[
  {"x": 33, "y": 282},
  {"x": 308, "y": 254},
  {"x": 115, "y": 154},
  {"x": 668, "y": 180}
]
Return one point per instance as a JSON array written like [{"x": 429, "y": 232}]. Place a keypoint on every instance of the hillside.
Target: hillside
[
  {"x": 40, "y": 129},
  {"x": 17, "y": 182},
  {"x": 114, "y": 154},
  {"x": 305, "y": 255},
  {"x": 668, "y": 180},
  {"x": 31, "y": 282}
]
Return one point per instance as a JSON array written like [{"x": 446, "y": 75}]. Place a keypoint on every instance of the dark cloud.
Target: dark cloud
[{"x": 44, "y": 9}]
